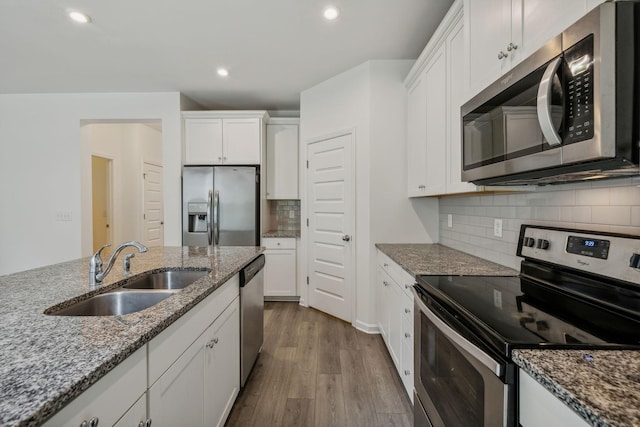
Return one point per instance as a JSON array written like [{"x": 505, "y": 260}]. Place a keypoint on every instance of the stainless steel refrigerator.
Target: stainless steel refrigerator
[{"x": 220, "y": 205}]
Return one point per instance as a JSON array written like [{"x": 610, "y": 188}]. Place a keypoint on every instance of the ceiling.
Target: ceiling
[{"x": 273, "y": 49}]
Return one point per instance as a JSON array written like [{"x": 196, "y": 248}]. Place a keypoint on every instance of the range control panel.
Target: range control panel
[{"x": 605, "y": 254}]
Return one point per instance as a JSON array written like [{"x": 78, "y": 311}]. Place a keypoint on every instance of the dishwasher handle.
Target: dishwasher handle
[{"x": 249, "y": 272}]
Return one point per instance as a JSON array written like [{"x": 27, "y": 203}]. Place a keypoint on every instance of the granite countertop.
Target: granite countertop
[
  {"x": 281, "y": 233},
  {"x": 435, "y": 259},
  {"x": 603, "y": 389},
  {"x": 47, "y": 361}
]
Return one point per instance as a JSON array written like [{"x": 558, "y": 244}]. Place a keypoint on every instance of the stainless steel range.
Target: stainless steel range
[{"x": 576, "y": 289}]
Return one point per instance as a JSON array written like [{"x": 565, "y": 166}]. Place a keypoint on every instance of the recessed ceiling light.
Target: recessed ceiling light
[
  {"x": 331, "y": 13},
  {"x": 223, "y": 72},
  {"x": 80, "y": 17}
]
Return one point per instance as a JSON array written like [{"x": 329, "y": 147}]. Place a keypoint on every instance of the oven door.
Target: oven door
[{"x": 456, "y": 383}]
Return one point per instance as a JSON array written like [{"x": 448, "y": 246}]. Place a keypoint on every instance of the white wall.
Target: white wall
[
  {"x": 371, "y": 100},
  {"x": 128, "y": 145},
  {"x": 40, "y": 169},
  {"x": 610, "y": 205}
]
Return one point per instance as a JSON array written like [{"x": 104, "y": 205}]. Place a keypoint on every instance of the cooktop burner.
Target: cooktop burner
[{"x": 576, "y": 289}]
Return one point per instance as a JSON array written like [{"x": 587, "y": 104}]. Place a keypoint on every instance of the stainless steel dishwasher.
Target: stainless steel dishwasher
[{"x": 251, "y": 315}]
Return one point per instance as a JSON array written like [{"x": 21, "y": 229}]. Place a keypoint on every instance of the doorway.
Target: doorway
[{"x": 101, "y": 185}]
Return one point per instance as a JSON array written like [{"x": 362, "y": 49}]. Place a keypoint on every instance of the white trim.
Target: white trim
[
  {"x": 284, "y": 121},
  {"x": 245, "y": 114},
  {"x": 113, "y": 200},
  {"x": 367, "y": 328}
]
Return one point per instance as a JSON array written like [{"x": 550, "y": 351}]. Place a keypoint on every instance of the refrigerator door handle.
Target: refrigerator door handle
[
  {"x": 216, "y": 218},
  {"x": 209, "y": 234}
]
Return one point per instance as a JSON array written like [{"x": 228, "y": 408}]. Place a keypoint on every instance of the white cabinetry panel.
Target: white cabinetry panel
[{"x": 282, "y": 159}]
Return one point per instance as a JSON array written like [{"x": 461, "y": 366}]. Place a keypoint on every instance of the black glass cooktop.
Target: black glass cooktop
[{"x": 518, "y": 312}]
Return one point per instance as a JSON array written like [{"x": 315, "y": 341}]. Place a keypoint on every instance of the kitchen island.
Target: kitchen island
[{"x": 47, "y": 361}]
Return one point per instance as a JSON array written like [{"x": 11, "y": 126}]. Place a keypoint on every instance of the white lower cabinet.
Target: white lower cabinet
[
  {"x": 394, "y": 303},
  {"x": 280, "y": 267},
  {"x": 109, "y": 399},
  {"x": 201, "y": 386},
  {"x": 540, "y": 408},
  {"x": 188, "y": 375}
]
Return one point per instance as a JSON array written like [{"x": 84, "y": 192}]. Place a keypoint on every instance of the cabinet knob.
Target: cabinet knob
[
  {"x": 511, "y": 47},
  {"x": 346, "y": 238},
  {"x": 502, "y": 55},
  {"x": 406, "y": 286},
  {"x": 385, "y": 265},
  {"x": 384, "y": 282},
  {"x": 219, "y": 158},
  {"x": 407, "y": 372},
  {"x": 406, "y": 310},
  {"x": 147, "y": 423},
  {"x": 407, "y": 335}
]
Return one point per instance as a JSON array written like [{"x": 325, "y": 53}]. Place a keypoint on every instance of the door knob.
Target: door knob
[{"x": 346, "y": 237}]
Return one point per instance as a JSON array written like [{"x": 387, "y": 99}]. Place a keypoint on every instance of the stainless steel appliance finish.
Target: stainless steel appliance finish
[
  {"x": 251, "y": 315},
  {"x": 220, "y": 206},
  {"x": 568, "y": 112},
  {"x": 576, "y": 289}
]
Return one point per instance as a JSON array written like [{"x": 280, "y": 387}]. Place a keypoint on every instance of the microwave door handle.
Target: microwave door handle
[
  {"x": 544, "y": 103},
  {"x": 458, "y": 339},
  {"x": 209, "y": 236}
]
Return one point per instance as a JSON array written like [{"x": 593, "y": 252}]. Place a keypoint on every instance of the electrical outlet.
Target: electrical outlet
[
  {"x": 497, "y": 227},
  {"x": 292, "y": 214},
  {"x": 449, "y": 220},
  {"x": 63, "y": 216}
]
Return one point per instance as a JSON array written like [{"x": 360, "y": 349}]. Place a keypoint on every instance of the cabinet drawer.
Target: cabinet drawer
[
  {"x": 397, "y": 273},
  {"x": 279, "y": 242}
]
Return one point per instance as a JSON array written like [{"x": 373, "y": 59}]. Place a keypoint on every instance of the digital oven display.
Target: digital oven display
[{"x": 595, "y": 248}]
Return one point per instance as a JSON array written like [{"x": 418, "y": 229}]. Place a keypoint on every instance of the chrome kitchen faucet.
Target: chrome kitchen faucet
[{"x": 96, "y": 273}]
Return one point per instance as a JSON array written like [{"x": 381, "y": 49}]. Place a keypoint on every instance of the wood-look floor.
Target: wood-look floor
[{"x": 315, "y": 370}]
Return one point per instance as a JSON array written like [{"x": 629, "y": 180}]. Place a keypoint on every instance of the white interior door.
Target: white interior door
[
  {"x": 153, "y": 228},
  {"x": 331, "y": 211}
]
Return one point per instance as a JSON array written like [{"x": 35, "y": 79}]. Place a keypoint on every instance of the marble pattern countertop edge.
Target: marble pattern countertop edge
[
  {"x": 50, "y": 360},
  {"x": 282, "y": 233}
]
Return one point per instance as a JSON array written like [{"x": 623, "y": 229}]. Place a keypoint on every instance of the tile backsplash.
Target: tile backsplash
[
  {"x": 285, "y": 214},
  {"x": 611, "y": 205}
]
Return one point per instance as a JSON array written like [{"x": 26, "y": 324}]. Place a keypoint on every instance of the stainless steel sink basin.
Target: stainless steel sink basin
[
  {"x": 114, "y": 303},
  {"x": 170, "y": 279}
]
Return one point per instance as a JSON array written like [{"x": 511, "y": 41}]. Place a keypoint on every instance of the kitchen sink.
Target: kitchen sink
[
  {"x": 114, "y": 303},
  {"x": 170, "y": 279}
]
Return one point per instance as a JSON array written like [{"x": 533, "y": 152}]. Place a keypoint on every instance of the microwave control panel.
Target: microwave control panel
[{"x": 578, "y": 94}]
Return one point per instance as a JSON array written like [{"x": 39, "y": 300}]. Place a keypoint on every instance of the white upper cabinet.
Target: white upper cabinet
[
  {"x": 223, "y": 137},
  {"x": 282, "y": 159},
  {"x": 501, "y": 33},
  {"x": 436, "y": 89}
]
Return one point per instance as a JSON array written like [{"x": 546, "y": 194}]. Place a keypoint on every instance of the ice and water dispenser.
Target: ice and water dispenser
[{"x": 197, "y": 217}]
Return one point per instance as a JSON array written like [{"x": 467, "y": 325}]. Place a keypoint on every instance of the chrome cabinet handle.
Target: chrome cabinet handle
[
  {"x": 145, "y": 423},
  {"x": 212, "y": 343},
  {"x": 407, "y": 372},
  {"x": 407, "y": 335},
  {"x": 544, "y": 103},
  {"x": 93, "y": 422},
  {"x": 502, "y": 55},
  {"x": 511, "y": 47},
  {"x": 384, "y": 282},
  {"x": 406, "y": 310}
]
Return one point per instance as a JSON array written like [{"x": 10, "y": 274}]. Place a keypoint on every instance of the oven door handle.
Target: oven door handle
[{"x": 488, "y": 361}]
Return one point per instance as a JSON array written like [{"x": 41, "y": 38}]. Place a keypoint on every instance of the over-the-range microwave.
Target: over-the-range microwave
[{"x": 570, "y": 111}]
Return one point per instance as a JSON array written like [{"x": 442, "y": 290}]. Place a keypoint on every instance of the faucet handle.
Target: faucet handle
[{"x": 95, "y": 259}]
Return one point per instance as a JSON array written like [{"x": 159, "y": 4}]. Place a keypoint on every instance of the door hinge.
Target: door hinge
[
  {"x": 307, "y": 164},
  {"x": 144, "y": 216},
  {"x": 307, "y": 280},
  {"x": 144, "y": 176},
  {"x": 307, "y": 222}
]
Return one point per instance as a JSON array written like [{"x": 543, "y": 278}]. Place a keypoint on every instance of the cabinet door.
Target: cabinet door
[
  {"x": 282, "y": 161},
  {"x": 488, "y": 32},
  {"x": 241, "y": 141},
  {"x": 280, "y": 272},
  {"x": 136, "y": 415},
  {"x": 544, "y": 19},
  {"x": 457, "y": 73},
  {"x": 416, "y": 137},
  {"x": 436, "y": 118},
  {"x": 222, "y": 366},
  {"x": 382, "y": 304},
  {"x": 176, "y": 399},
  {"x": 202, "y": 141},
  {"x": 110, "y": 397}
]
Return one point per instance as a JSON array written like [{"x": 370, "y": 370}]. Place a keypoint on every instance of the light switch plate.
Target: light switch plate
[{"x": 449, "y": 220}]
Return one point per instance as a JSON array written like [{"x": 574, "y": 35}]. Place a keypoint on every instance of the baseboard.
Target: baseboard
[
  {"x": 366, "y": 327},
  {"x": 286, "y": 299}
]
